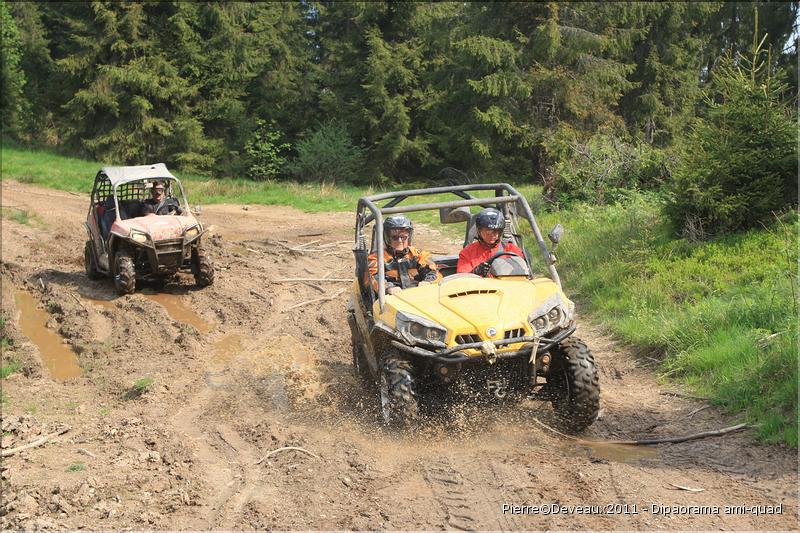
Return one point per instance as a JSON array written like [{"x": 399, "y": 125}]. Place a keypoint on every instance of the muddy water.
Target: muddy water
[
  {"x": 226, "y": 348},
  {"x": 107, "y": 304},
  {"x": 60, "y": 361},
  {"x": 178, "y": 310}
]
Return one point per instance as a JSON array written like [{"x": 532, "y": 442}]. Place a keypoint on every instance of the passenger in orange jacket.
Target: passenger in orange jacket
[
  {"x": 472, "y": 259},
  {"x": 404, "y": 265}
]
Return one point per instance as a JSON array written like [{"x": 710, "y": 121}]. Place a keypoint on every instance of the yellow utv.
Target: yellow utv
[{"x": 509, "y": 332}]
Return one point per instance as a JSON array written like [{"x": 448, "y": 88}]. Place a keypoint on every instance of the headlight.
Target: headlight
[
  {"x": 540, "y": 324},
  {"x": 549, "y": 320},
  {"x": 416, "y": 328},
  {"x": 139, "y": 237},
  {"x": 192, "y": 232}
]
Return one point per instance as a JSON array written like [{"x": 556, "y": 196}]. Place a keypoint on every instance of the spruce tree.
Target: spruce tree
[{"x": 13, "y": 104}]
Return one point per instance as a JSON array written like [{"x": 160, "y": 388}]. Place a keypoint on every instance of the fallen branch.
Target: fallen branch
[
  {"x": 79, "y": 302},
  {"x": 285, "y": 246},
  {"x": 681, "y": 487},
  {"x": 286, "y": 449},
  {"x": 695, "y": 411},
  {"x": 292, "y": 280},
  {"x": 300, "y": 247},
  {"x": 322, "y": 299},
  {"x": 84, "y": 451},
  {"x": 312, "y": 234},
  {"x": 682, "y": 395},
  {"x": 34, "y": 444},
  {"x": 256, "y": 293},
  {"x": 648, "y": 442},
  {"x": 314, "y": 286}
]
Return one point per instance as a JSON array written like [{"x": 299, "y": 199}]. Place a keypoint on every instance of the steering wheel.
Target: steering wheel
[{"x": 483, "y": 269}]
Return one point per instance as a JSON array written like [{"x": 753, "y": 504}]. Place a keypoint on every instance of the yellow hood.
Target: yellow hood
[{"x": 471, "y": 306}]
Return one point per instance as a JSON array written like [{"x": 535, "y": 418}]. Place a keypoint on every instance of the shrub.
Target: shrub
[
  {"x": 602, "y": 168},
  {"x": 739, "y": 162},
  {"x": 329, "y": 154},
  {"x": 265, "y": 150}
]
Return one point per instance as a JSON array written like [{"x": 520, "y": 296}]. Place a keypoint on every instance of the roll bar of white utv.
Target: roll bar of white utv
[{"x": 369, "y": 202}]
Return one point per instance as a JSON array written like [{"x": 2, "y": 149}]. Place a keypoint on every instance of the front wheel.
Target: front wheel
[
  {"x": 398, "y": 396},
  {"x": 574, "y": 385},
  {"x": 202, "y": 268},
  {"x": 124, "y": 273}
]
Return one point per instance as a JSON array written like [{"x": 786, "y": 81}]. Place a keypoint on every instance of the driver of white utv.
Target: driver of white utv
[
  {"x": 474, "y": 258},
  {"x": 405, "y": 266},
  {"x": 162, "y": 204}
]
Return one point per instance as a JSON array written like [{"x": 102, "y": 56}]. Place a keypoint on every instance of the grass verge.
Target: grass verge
[{"x": 722, "y": 314}]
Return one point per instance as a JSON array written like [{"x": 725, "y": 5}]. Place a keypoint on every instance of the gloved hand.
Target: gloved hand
[{"x": 482, "y": 270}]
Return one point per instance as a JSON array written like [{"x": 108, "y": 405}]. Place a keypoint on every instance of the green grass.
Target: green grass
[
  {"x": 76, "y": 467},
  {"x": 722, "y": 313},
  {"x": 140, "y": 386},
  {"x": 59, "y": 172},
  {"x": 9, "y": 367}
]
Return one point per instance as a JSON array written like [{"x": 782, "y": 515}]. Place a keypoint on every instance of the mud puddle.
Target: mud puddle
[
  {"x": 60, "y": 361},
  {"x": 178, "y": 310},
  {"x": 226, "y": 348},
  {"x": 106, "y": 304}
]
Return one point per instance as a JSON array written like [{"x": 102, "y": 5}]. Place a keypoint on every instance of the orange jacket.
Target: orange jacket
[
  {"x": 404, "y": 270},
  {"x": 476, "y": 253}
]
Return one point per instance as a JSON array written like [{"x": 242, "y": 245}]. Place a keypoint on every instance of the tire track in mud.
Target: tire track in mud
[
  {"x": 468, "y": 504},
  {"x": 225, "y": 459}
]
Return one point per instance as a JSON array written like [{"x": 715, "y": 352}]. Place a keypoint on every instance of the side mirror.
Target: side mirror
[
  {"x": 556, "y": 233},
  {"x": 451, "y": 215}
]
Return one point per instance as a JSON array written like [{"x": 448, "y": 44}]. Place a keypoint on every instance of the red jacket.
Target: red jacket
[{"x": 476, "y": 253}]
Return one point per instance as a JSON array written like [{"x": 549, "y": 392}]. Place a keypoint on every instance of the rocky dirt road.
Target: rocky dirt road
[{"x": 231, "y": 373}]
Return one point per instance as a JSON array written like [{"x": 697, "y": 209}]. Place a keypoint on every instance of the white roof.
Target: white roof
[{"x": 119, "y": 175}]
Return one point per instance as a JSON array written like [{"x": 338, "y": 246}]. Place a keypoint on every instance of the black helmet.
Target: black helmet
[
  {"x": 490, "y": 218},
  {"x": 397, "y": 222}
]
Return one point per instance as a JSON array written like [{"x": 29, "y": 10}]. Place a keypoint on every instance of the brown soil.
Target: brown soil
[{"x": 236, "y": 374}]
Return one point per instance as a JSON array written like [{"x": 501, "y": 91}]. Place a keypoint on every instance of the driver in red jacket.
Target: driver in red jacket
[{"x": 472, "y": 259}]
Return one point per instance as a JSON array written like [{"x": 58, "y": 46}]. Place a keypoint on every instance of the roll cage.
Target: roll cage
[
  {"x": 506, "y": 199},
  {"x": 109, "y": 192}
]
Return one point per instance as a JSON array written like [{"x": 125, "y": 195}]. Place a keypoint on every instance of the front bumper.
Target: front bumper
[{"x": 456, "y": 354}]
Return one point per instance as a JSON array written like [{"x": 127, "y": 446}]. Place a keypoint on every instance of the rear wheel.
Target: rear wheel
[
  {"x": 398, "y": 396},
  {"x": 574, "y": 385},
  {"x": 202, "y": 268},
  {"x": 90, "y": 262},
  {"x": 125, "y": 273}
]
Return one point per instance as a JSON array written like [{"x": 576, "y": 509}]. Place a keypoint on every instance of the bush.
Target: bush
[
  {"x": 329, "y": 155},
  {"x": 603, "y": 168},
  {"x": 264, "y": 150},
  {"x": 739, "y": 162}
]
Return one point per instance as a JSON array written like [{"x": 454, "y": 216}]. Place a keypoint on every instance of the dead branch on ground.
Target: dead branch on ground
[
  {"x": 286, "y": 449},
  {"x": 648, "y": 442},
  {"x": 315, "y": 300},
  {"x": 34, "y": 444}
]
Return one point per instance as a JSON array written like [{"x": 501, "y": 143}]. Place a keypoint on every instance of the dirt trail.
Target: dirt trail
[{"x": 253, "y": 375}]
